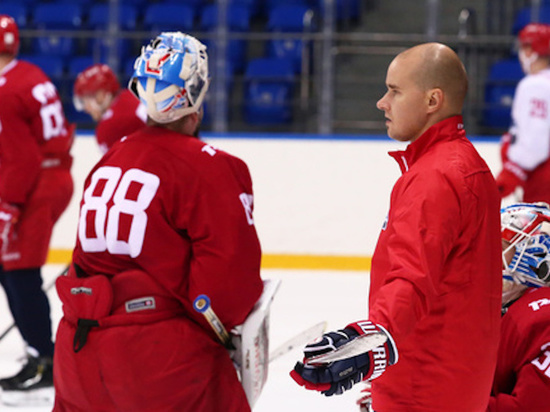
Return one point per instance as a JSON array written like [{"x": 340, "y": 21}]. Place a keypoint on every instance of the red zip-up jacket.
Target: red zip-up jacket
[{"x": 436, "y": 277}]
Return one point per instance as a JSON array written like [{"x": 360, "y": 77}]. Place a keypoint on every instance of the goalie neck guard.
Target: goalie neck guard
[
  {"x": 525, "y": 232},
  {"x": 171, "y": 76}
]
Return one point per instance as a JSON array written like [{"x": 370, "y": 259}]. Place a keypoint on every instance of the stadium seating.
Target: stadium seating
[
  {"x": 346, "y": 10},
  {"x": 168, "y": 17},
  {"x": 523, "y": 17},
  {"x": 56, "y": 16},
  {"x": 238, "y": 20},
  {"x": 288, "y": 19},
  {"x": 269, "y": 87},
  {"x": 99, "y": 20},
  {"x": 500, "y": 87},
  {"x": 53, "y": 66},
  {"x": 17, "y": 10}
]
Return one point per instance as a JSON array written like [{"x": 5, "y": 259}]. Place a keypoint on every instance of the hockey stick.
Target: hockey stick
[
  {"x": 299, "y": 340},
  {"x": 203, "y": 306},
  {"x": 357, "y": 346},
  {"x": 46, "y": 289}
]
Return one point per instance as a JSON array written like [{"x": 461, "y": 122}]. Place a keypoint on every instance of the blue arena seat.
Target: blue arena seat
[
  {"x": 238, "y": 20},
  {"x": 288, "y": 19},
  {"x": 269, "y": 86},
  {"x": 346, "y": 10},
  {"x": 169, "y": 17},
  {"x": 99, "y": 16},
  {"x": 77, "y": 64},
  {"x": 17, "y": 10},
  {"x": 56, "y": 16},
  {"x": 500, "y": 88},
  {"x": 523, "y": 17},
  {"x": 53, "y": 66},
  {"x": 99, "y": 20}
]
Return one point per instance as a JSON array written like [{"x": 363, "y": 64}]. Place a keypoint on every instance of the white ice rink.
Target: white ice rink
[{"x": 304, "y": 299}]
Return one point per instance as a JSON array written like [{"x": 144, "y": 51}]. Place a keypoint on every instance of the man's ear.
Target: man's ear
[{"x": 435, "y": 100}]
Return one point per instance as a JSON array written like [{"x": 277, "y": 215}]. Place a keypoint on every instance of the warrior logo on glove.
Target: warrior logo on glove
[{"x": 339, "y": 376}]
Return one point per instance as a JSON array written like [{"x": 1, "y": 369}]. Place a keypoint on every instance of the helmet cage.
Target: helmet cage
[
  {"x": 171, "y": 76},
  {"x": 526, "y": 229}
]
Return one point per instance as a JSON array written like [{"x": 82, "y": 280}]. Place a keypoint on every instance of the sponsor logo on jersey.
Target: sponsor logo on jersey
[
  {"x": 81, "y": 290},
  {"x": 140, "y": 304}
]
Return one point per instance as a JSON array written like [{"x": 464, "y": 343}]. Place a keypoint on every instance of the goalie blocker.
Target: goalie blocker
[{"x": 249, "y": 340}]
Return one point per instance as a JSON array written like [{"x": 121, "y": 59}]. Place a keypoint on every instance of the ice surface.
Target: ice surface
[{"x": 304, "y": 299}]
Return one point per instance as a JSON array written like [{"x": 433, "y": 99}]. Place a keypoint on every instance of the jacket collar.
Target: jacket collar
[{"x": 445, "y": 130}]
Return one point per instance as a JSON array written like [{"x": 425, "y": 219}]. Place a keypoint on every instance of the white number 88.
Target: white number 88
[{"x": 106, "y": 222}]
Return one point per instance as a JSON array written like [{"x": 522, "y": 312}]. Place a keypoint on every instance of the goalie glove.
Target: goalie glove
[
  {"x": 339, "y": 376},
  {"x": 509, "y": 178}
]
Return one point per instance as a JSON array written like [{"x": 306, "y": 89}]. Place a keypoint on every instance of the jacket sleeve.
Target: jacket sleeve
[
  {"x": 20, "y": 154},
  {"x": 425, "y": 223}
]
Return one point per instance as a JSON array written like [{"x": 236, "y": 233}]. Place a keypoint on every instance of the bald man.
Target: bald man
[{"x": 436, "y": 272}]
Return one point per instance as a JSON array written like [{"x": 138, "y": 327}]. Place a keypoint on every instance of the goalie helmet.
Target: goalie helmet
[
  {"x": 9, "y": 35},
  {"x": 93, "y": 79},
  {"x": 525, "y": 229},
  {"x": 171, "y": 76},
  {"x": 537, "y": 35}
]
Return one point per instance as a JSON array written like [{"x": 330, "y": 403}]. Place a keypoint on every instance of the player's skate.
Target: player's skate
[{"x": 32, "y": 386}]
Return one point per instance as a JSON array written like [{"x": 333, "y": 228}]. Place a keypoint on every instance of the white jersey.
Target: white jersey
[{"x": 531, "y": 121}]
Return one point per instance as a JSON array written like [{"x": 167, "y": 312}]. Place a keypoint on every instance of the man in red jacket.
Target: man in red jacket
[
  {"x": 117, "y": 111},
  {"x": 522, "y": 377},
  {"x": 436, "y": 271},
  {"x": 35, "y": 188},
  {"x": 164, "y": 218}
]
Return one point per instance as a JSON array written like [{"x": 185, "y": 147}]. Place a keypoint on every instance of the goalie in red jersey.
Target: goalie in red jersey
[
  {"x": 35, "y": 188},
  {"x": 164, "y": 219},
  {"x": 117, "y": 111},
  {"x": 522, "y": 377}
]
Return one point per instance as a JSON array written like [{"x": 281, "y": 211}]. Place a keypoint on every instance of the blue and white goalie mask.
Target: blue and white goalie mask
[
  {"x": 525, "y": 229},
  {"x": 171, "y": 76}
]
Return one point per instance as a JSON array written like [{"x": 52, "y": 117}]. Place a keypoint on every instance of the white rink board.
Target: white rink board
[{"x": 319, "y": 197}]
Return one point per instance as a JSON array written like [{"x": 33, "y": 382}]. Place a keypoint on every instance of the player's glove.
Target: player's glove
[
  {"x": 9, "y": 215},
  {"x": 339, "y": 376},
  {"x": 509, "y": 178}
]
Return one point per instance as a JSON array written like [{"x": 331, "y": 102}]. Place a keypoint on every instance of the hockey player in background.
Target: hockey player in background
[
  {"x": 522, "y": 378},
  {"x": 117, "y": 111},
  {"x": 35, "y": 188},
  {"x": 164, "y": 219},
  {"x": 435, "y": 291},
  {"x": 526, "y": 148}
]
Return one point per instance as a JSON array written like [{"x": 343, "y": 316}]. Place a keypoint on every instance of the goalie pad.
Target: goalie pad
[{"x": 251, "y": 342}]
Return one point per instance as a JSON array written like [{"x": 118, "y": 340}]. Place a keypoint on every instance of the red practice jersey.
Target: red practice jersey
[
  {"x": 34, "y": 133},
  {"x": 181, "y": 211},
  {"x": 166, "y": 218},
  {"x": 522, "y": 378},
  {"x": 125, "y": 116},
  {"x": 436, "y": 277}
]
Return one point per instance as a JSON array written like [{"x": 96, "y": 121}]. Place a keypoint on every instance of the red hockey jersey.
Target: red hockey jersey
[
  {"x": 166, "y": 218},
  {"x": 33, "y": 130},
  {"x": 436, "y": 277},
  {"x": 522, "y": 378},
  {"x": 125, "y": 116}
]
